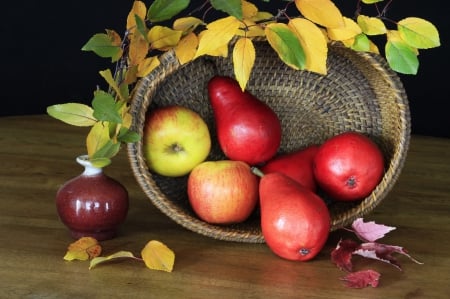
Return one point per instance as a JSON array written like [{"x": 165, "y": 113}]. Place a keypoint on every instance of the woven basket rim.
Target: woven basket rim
[{"x": 169, "y": 65}]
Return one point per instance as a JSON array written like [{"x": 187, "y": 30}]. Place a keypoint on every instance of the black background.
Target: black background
[{"x": 42, "y": 62}]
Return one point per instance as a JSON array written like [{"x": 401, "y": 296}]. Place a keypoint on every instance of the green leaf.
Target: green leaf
[
  {"x": 231, "y": 7},
  {"x": 161, "y": 10},
  {"x": 128, "y": 136},
  {"x": 102, "y": 45},
  {"x": 401, "y": 57},
  {"x": 141, "y": 27},
  {"x": 100, "y": 162},
  {"x": 105, "y": 108},
  {"x": 362, "y": 43},
  {"x": 108, "y": 150},
  {"x": 419, "y": 33},
  {"x": 286, "y": 44},
  {"x": 73, "y": 114}
]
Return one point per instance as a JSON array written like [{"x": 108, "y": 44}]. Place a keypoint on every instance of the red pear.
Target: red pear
[
  {"x": 348, "y": 166},
  {"x": 295, "y": 222},
  {"x": 297, "y": 165},
  {"x": 247, "y": 129}
]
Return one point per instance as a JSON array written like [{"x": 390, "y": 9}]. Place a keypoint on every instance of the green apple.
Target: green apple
[
  {"x": 223, "y": 192},
  {"x": 175, "y": 140}
]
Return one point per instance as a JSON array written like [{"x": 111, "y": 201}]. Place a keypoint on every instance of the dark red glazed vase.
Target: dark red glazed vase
[{"x": 92, "y": 204}]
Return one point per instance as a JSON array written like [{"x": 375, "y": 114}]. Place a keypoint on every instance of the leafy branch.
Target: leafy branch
[{"x": 301, "y": 42}]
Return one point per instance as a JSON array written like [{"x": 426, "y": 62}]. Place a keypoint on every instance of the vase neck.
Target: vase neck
[{"x": 89, "y": 169}]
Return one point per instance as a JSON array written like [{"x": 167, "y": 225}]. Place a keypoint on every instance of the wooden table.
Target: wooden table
[{"x": 37, "y": 156}]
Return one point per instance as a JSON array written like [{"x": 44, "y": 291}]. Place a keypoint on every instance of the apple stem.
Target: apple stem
[{"x": 257, "y": 171}]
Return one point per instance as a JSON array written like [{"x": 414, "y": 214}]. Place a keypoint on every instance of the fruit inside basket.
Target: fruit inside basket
[{"x": 359, "y": 93}]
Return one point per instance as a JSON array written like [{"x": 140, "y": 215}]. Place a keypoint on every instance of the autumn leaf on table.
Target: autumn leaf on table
[
  {"x": 342, "y": 254},
  {"x": 383, "y": 252},
  {"x": 362, "y": 279},
  {"x": 118, "y": 255},
  {"x": 370, "y": 231},
  {"x": 155, "y": 255},
  {"x": 83, "y": 249}
]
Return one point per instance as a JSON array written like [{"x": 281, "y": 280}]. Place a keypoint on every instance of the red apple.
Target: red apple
[
  {"x": 223, "y": 192},
  {"x": 297, "y": 165}
]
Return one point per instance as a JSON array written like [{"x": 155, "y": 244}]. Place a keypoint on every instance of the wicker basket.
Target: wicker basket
[{"x": 359, "y": 93}]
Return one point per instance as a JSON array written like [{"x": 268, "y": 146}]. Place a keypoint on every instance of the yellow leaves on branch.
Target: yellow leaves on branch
[
  {"x": 217, "y": 36},
  {"x": 322, "y": 12},
  {"x": 156, "y": 255},
  {"x": 138, "y": 9},
  {"x": 186, "y": 48},
  {"x": 314, "y": 44},
  {"x": 163, "y": 38},
  {"x": 309, "y": 34},
  {"x": 349, "y": 30},
  {"x": 418, "y": 33},
  {"x": 371, "y": 25},
  {"x": 243, "y": 60}
]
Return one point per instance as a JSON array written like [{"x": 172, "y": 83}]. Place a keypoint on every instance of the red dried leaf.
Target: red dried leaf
[
  {"x": 383, "y": 253},
  {"x": 362, "y": 279},
  {"x": 370, "y": 231},
  {"x": 342, "y": 254}
]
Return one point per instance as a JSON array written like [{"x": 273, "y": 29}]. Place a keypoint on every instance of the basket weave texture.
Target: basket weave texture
[{"x": 359, "y": 93}]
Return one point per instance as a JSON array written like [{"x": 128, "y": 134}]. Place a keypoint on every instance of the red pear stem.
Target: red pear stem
[{"x": 257, "y": 171}]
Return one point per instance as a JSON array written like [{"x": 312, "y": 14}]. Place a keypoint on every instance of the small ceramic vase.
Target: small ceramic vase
[{"x": 92, "y": 204}]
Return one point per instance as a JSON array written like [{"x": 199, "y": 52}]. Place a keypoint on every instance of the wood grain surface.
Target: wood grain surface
[{"x": 38, "y": 156}]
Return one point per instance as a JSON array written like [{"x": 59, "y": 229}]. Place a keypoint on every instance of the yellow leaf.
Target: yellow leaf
[
  {"x": 322, "y": 12},
  {"x": 130, "y": 74},
  {"x": 114, "y": 37},
  {"x": 249, "y": 10},
  {"x": 371, "y": 25},
  {"x": 187, "y": 24},
  {"x": 97, "y": 137},
  {"x": 83, "y": 249},
  {"x": 75, "y": 114},
  {"x": 186, "y": 48},
  {"x": 419, "y": 33},
  {"x": 263, "y": 16},
  {"x": 138, "y": 9},
  {"x": 348, "y": 42},
  {"x": 217, "y": 36},
  {"x": 350, "y": 30},
  {"x": 243, "y": 60},
  {"x": 147, "y": 65},
  {"x": 127, "y": 119},
  {"x": 371, "y": 1},
  {"x": 313, "y": 42},
  {"x": 251, "y": 29},
  {"x": 163, "y": 38},
  {"x": 107, "y": 75},
  {"x": 138, "y": 49},
  {"x": 102, "y": 259},
  {"x": 157, "y": 256},
  {"x": 373, "y": 48}
]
